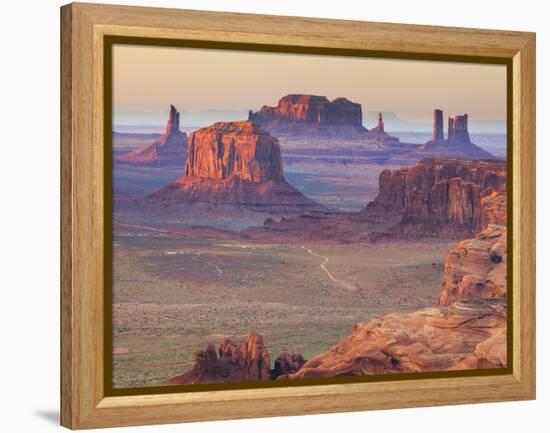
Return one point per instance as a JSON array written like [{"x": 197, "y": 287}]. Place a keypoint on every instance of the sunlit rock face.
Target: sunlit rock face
[{"x": 235, "y": 163}]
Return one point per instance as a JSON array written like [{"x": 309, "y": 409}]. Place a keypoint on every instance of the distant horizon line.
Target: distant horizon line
[{"x": 161, "y": 127}]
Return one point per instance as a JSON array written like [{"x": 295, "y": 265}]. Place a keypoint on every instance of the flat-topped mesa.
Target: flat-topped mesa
[
  {"x": 235, "y": 163},
  {"x": 169, "y": 149},
  {"x": 441, "y": 196},
  {"x": 234, "y": 149},
  {"x": 311, "y": 115},
  {"x": 311, "y": 109}
]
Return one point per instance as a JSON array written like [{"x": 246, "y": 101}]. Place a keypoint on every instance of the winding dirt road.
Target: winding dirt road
[{"x": 323, "y": 266}]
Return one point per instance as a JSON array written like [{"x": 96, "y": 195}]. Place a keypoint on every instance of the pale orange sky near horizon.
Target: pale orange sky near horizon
[{"x": 147, "y": 79}]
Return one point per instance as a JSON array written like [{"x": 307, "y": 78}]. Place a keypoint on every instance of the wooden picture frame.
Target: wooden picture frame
[{"x": 84, "y": 28}]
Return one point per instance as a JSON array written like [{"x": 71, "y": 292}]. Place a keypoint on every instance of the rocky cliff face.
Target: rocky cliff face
[
  {"x": 476, "y": 268},
  {"x": 235, "y": 149},
  {"x": 235, "y": 163},
  {"x": 440, "y": 196},
  {"x": 169, "y": 149},
  {"x": 234, "y": 361},
  {"x": 467, "y": 335}
]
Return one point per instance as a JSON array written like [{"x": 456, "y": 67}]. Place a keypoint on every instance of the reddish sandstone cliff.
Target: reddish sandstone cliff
[
  {"x": 234, "y": 149},
  {"x": 169, "y": 149},
  {"x": 235, "y": 163},
  {"x": 439, "y": 196},
  {"x": 476, "y": 268},
  {"x": 466, "y": 335}
]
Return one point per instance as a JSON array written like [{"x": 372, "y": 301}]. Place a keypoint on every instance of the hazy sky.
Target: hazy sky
[{"x": 147, "y": 79}]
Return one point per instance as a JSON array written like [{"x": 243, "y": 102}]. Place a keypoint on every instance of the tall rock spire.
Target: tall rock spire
[
  {"x": 438, "y": 125},
  {"x": 380, "y": 122},
  {"x": 173, "y": 124}
]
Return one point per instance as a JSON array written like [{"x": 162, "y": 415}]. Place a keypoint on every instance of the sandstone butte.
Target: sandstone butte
[
  {"x": 457, "y": 143},
  {"x": 235, "y": 163},
  {"x": 316, "y": 116},
  {"x": 442, "y": 196},
  {"x": 169, "y": 149}
]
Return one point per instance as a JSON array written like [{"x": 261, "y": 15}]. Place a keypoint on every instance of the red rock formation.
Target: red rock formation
[
  {"x": 311, "y": 109},
  {"x": 287, "y": 363},
  {"x": 467, "y": 335},
  {"x": 235, "y": 163},
  {"x": 438, "y": 125},
  {"x": 458, "y": 129},
  {"x": 169, "y": 149},
  {"x": 493, "y": 208},
  {"x": 312, "y": 116},
  {"x": 380, "y": 125},
  {"x": 234, "y": 149},
  {"x": 476, "y": 268},
  {"x": 235, "y": 361},
  {"x": 457, "y": 144},
  {"x": 378, "y": 134},
  {"x": 438, "y": 196}
]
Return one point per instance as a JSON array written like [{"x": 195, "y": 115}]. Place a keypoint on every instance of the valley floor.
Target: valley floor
[{"x": 174, "y": 294}]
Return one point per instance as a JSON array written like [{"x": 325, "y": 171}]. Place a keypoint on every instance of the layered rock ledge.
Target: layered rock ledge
[
  {"x": 442, "y": 196},
  {"x": 466, "y": 335}
]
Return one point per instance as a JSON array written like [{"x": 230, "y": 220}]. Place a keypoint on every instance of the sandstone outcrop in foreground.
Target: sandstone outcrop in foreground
[
  {"x": 467, "y": 335},
  {"x": 470, "y": 334},
  {"x": 476, "y": 268},
  {"x": 169, "y": 149},
  {"x": 238, "y": 361},
  {"x": 235, "y": 163},
  {"x": 442, "y": 196},
  {"x": 234, "y": 361}
]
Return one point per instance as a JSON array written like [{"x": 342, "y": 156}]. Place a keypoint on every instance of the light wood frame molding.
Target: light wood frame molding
[{"x": 83, "y": 401}]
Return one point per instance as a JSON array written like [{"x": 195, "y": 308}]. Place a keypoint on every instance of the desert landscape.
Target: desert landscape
[
  {"x": 210, "y": 252},
  {"x": 300, "y": 242}
]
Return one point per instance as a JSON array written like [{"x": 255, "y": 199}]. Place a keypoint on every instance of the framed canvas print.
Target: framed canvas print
[{"x": 273, "y": 216}]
